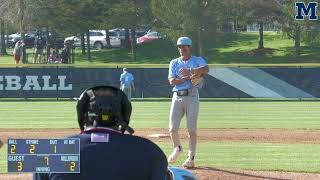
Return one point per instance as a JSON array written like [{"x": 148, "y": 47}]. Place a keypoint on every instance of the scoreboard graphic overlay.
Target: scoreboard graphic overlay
[{"x": 44, "y": 155}]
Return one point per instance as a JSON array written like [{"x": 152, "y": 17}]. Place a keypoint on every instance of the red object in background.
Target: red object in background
[{"x": 148, "y": 37}]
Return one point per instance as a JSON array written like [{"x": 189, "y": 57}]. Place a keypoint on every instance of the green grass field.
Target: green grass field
[
  {"x": 252, "y": 156},
  {"x": 219, "y": 49},
  {"x": 62, "y": 114}
]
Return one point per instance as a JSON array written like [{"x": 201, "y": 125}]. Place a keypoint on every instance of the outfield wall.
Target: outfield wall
[{"x": 221, "y": 82}]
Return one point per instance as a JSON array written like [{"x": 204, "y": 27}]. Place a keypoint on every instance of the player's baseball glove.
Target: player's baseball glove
[{"x": 196, "y": 79}]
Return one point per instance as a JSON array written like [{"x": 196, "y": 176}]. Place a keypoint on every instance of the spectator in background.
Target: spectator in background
[
  {"x": 39, "y": 43},
  {"x": 65, "y": 54},
  {"x": 54, "y": 58},
  {"x": 18, "y": 51},
  {"x": 126, "y": 83}
]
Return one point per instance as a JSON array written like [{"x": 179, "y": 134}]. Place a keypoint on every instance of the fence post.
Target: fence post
[
  {"x": 72, "y": 54},
  {"x": 57, "y": 92}
]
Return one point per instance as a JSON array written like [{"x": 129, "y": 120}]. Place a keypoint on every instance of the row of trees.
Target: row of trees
[{"x": 200, "y": 19}]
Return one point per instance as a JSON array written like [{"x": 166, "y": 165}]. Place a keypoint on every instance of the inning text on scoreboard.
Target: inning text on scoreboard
[{"x": 44, "y": 155}]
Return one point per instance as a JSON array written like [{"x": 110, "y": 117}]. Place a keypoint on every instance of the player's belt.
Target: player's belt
[
  {"x": 186, "y": 92},
  {"x": 182, "y": 92}
]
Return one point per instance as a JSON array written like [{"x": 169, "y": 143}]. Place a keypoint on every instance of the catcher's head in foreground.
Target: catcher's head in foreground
[{"x": 104, "y": 106}]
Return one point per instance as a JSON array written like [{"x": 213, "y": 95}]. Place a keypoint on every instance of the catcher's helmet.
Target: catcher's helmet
[
  {"x": 104, "y": 106},
  {"x": 184, "y": 41}
]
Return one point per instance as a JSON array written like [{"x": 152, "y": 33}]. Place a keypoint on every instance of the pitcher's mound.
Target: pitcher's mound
[{"x": 158, "y": 135}]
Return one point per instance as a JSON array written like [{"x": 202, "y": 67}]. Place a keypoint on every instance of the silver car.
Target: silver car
[{"x": 97, "y": 40}]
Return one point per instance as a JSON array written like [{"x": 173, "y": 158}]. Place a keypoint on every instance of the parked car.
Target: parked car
[
  {"x": 148, "y": 37},
  {"x": 115, "y": 34},
  {"x": 76, "y": 41},
  {"x": 140, "y": 33},
  {"x": 14, "y": 35},
  {"x": 56, "y": 41},
  {"x": 5, "y": 38},
  {"x": 14, "y": 38},
  {"x": 120, "y": 32},
  {"x": 97, "y": 40}
]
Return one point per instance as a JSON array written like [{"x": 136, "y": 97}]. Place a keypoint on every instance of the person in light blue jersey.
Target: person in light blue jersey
[
  {"x": 185, "y": 100},
  {"x": 126, "y": 83}
]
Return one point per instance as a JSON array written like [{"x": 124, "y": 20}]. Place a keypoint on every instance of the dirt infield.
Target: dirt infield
[
  {"x": 207, "y": 173},
  {"x": 300, "y": 136},
  {"x": 287, "y": 136}
]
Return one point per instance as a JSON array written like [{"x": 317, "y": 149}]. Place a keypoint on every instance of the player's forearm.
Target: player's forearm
[
  {"x": 200, "y": 70},
  {"x": 175, "y": 81}
]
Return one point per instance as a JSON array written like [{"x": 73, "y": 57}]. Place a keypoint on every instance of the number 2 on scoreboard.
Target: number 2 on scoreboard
[
  {"x": 32, "y": 148},
  {"x": 13, "y": 148}
]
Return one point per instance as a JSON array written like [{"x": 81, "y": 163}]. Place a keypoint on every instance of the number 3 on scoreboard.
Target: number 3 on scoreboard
[
  {"x": 72, "y": 166},
  {"x": 20, "y": 166}
]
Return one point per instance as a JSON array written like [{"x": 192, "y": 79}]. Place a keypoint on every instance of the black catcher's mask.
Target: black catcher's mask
[{"x": 104, "y": 106}]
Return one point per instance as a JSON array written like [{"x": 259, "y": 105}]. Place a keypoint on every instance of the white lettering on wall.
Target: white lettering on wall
[
  {"x": 29, "y": 83},
  {"x": 62, "y": 83},
  {"x": 13, "y": 83},
  {"x": 32, "y": 81},
  {"x": 46, "y": 84}
]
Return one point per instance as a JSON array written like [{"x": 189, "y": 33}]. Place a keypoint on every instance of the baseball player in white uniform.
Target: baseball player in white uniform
[{"x": 185, "y": 74}]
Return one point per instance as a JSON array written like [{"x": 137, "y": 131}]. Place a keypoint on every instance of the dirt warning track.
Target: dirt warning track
[{"x": 286, "y": 136}]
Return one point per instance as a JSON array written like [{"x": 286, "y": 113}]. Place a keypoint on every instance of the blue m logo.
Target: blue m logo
[{"x": 310, "y": 10}]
